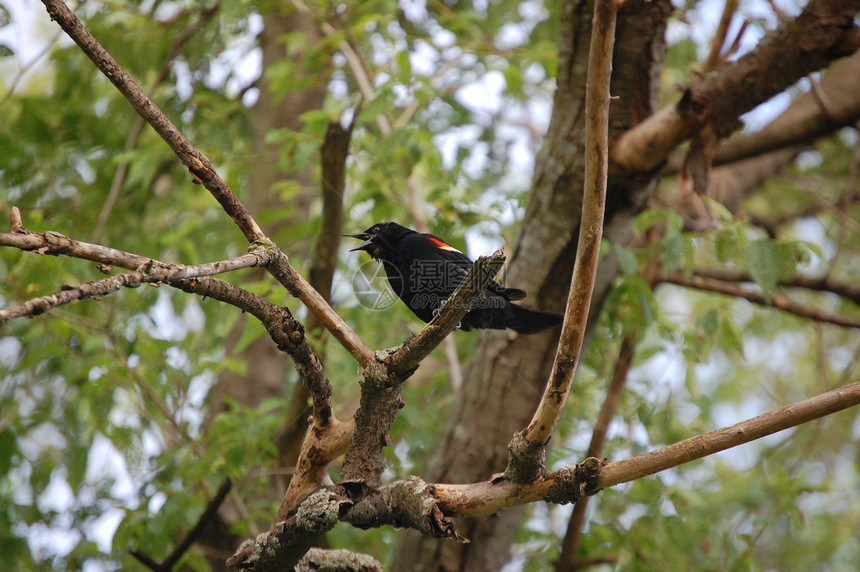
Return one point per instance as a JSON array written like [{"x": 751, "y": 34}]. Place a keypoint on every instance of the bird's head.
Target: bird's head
[{"x": 380, "y": 240}]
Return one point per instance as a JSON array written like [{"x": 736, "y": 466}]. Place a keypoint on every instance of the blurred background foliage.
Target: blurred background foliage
[{"x": 106, "y": 441}]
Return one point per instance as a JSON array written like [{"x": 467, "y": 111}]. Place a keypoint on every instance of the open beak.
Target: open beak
[{"x": 361, "y": 236}]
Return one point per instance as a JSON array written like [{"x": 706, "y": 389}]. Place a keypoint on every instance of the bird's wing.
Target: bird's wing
[{"x": 463, "y": 263}]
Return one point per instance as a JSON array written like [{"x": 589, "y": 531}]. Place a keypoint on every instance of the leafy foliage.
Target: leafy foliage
[{"x": 109, "y": 437}]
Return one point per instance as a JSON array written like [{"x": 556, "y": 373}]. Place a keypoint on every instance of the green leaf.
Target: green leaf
[
  {"x": 8, "y": 448},
  {"x": 673, "y": 253},
  {"x": 763, "y": 261},
  {"x": 648, "y": 219},
  {"x": 732, "y": 335},
  {"x": 252, "y": 331},
  {"x": 627, "y": 260}
]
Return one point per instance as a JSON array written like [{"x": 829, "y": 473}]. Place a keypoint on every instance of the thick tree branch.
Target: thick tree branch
[
  {"x": 804, "y": 121},
  {"x": 718, "y": 98},
  {"x": 409, "y": 503},
  {"x": 777, "y": 301},
  {"x": 320, "y": 447},
  {"x": 527, "y": 448},
  {"x": 416, "y": 500},
  {"x": 489, "y": 497},
  {"x": 318, "y": 560}
]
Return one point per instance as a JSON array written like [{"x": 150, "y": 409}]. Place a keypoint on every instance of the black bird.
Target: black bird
[{"x": 424, "y": 270}]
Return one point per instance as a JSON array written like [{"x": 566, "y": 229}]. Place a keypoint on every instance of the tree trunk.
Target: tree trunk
[{"x": 506, "y": 374}]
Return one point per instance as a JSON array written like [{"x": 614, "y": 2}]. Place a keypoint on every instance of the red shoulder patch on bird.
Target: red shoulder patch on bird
[{"x": 441, "y": 244}]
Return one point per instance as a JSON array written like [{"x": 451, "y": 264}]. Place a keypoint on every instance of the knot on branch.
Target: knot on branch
[
  {"x": 321, "y": 511},
  {"x": 526, "y": 461},
  {"x": 378, "y": 376},
  {"x": 572, "y": 483},
  {"x": 404, "y": 504},
  {"x": 55, "y": 243},
  {"x": 265, "y": 250},
  {"x": 321, "y": 559}
]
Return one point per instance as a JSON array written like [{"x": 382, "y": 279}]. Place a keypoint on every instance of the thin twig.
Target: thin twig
[
  {"x": 714, "y": 60},
  {"x": 842, "y": 289},
  {"x": 777, "y": 301},
  {"x": 206, "y": 14},
  {"x": 285, "y": 331},
  {"x": 151, "y": 274},
  {"x": 410, "y": 354}
]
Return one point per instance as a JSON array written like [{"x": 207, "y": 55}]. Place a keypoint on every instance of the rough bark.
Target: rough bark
[{"x": 506, "y": 374}]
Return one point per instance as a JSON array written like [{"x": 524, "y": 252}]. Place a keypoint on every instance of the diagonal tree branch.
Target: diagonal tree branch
[
  {"x": 777, "y": 301},
  {"x": 204, "y": 173},
  {"x": 826, "y": 284},
  {"x": 409, "y": 355},
  {"x": 207, "y": 515}
]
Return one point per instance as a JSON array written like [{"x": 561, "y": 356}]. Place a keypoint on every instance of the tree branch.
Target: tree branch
[
  {"x": 802, "y": 122},
  {"x": 744, "y": 432},
  {"x": 527, "y": 449},
  {"x": 287, "y": 541},
  {"x": 719, "y": 98},
  {"x": 150, "y": 273},
  {"x": 285, "y": 331},
  {"x": 407, "y": 357},
  {"x": 491, "y": 496},
  {"x": 777, "y": 301},
  {"x": 203, "y": 172},
  {"x": 380, "y": 386},
  {"x": 317, "y": 560},
  {"x": 409, "y": 503},
  {"x": 826, "y": 284},
  {"x": 207, "y": 515}
]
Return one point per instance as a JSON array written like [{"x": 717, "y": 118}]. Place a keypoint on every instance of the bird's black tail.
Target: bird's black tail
[{"x": 527, "y": 321}]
